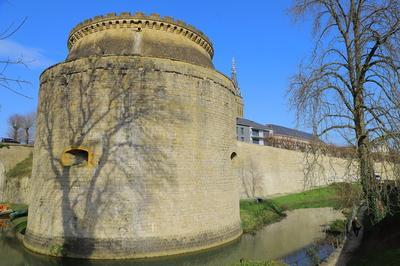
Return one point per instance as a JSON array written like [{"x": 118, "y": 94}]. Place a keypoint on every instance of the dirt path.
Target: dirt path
[{"x": 352, "y": 242}]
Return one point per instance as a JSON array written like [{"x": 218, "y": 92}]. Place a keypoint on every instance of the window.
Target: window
[
  {"x": 242, "y": 131},
  {"x": 256, "y": 141},
  {"x": 242, "y": 138},
  {"x": 75, "y": 156},
  {"x": 255, "y": 132}
]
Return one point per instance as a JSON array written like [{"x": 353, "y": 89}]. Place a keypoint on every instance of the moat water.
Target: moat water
[{"x": 289, "y": 240}]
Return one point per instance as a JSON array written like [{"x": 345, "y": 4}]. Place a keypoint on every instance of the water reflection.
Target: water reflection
[
  {"x": 298, "y": 230},
  {"x": 309, "y": 255},
  {"x": 301, "y": 228}
]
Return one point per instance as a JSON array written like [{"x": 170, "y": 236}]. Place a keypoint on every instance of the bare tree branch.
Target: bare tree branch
[{"x": 6, "y": 82}]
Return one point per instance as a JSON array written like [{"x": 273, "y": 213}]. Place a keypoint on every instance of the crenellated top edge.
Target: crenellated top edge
[{"x": 139, "y": 20}]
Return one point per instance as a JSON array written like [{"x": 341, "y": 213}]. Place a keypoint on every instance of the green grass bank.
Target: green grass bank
[
  {"x": 21, "y": 169},
  {"x": 255, "y": 215}
]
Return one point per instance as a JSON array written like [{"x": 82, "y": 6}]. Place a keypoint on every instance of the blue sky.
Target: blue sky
[{"x": 267, "y": 44}]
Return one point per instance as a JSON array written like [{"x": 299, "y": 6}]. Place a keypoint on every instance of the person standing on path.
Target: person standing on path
[{"x": 355, "y": 224}]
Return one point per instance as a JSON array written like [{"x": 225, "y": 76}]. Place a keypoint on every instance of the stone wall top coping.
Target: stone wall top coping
[{"x": 139, "y": 20}]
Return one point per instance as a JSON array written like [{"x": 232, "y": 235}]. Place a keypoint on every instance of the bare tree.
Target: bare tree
[
  {"x": 8, "y": 82},
  {"x": 351, "y": 85},
  {"x": 28, "y": 122},
  {"x": 15, "y": 123}
]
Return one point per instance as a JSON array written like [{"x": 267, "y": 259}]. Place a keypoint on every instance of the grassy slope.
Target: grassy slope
[
  {"x": 316, "y": 198},
  {"x": 21, "y": 169},
  {"x": 255, "y": 215}
]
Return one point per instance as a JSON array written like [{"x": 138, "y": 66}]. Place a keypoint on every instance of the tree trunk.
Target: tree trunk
[
  {"x": 15, "y": 133},
  {"x": 26, "y": 135},
  {"x": 366, "y": 164},
  {"x": 370, "y": 185}
]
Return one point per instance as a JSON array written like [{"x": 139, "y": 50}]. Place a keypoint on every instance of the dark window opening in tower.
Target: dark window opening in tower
[
  {"x": 74, "y": 157},
  {"x": 233, "y": 155}
]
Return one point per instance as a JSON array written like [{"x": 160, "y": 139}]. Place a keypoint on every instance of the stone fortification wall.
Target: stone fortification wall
[
  {"x": 16, "y": 189},
  {"x": 138, "y": 34},
  {"x": 9, "y": 157},
  {"x": 265, "y": 171},
  {"x": 132, "y": 151}
]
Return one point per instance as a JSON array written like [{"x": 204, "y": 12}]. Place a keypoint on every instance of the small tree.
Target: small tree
[
  {"x": 28, "y": 122},
  {"x": 15, "y": 124},
  {"x": 351, "y": 85},
  {"x": 7, "y": 82}
]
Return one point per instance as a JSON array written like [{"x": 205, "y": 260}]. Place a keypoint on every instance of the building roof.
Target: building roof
[
  {"x": 249, "y": 123},
  {"x": 284, "y": 131},
  {"x": 278, "y": 130}
]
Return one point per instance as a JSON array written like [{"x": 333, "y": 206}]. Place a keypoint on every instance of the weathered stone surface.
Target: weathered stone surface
[
  {"x": 131, "y": 248},
  {"x": 265, "y": 171},
  {"x": 132, "y": 159},
  {"x": 136, "y": 34},
  {"x": 16, "y": 190},
  {"x": 9, "y": 157}
]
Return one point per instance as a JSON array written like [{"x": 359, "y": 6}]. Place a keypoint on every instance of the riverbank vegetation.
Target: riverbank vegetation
[
  {"x": 255, "y": 215},
  {"x": 337, "y": 227},
  {"x": 258, "y": 213}
]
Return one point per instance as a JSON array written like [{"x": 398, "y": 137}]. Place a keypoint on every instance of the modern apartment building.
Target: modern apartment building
[{"x": 252, "y": 132}]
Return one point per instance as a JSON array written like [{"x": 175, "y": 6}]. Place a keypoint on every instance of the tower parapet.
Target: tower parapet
[{"x": 138, "y": 34}]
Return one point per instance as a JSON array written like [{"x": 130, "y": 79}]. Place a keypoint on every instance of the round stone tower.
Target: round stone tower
[{"x": 134, "y": 144}]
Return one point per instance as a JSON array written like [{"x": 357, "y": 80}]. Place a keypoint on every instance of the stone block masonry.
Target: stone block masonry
[
  {"x": 133, "y": 143},
  {"x": 14, "y": 190},
  {"x": 264, "y": 171}
]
